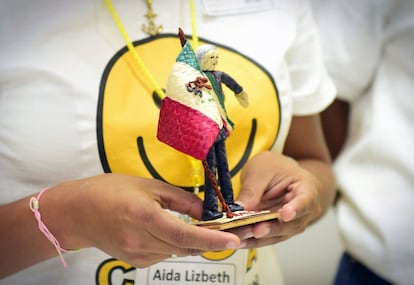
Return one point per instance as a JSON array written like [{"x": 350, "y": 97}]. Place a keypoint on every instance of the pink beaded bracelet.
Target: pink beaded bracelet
[{"x": 34, "y": 206}]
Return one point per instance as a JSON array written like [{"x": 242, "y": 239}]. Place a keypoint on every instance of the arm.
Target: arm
[
  {"x": 232, "y": 84},
  {"x": 335, "y": 125},
  {"x": 302, "y": 188},
  {"x": 115, "y": 213},
  {"x": 306, "y": 144}
]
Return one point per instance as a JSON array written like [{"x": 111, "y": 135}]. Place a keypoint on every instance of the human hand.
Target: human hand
[
  {"x": 125, "y": 217},
  {"x": 243, "y": 99},
  {"x": 272, "y": 181}
]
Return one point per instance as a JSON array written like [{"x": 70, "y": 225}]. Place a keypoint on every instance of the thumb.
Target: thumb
[
  {"x": 248, "y": 199},
  {"x": 196, "y": 238},
  {"x": 176, "y": 199},
  {"x": 255, "y": 180},
  {"x": 251, "y": 192}
]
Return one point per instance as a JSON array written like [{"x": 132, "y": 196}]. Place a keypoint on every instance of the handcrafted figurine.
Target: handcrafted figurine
[
  {"x": 193, "y": 120},
  {"x": 207, "y": 56}
]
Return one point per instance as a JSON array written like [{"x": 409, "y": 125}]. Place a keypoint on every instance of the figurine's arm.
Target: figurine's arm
[{"x": 232, "y": 84}]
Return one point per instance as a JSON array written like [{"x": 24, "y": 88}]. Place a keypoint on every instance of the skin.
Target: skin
[
  {"x": 76, "y": 212},
  {"x": 301, "y": 189},
  {"x": 335, "y": 120},
  {"x": 130, "y": 225}
]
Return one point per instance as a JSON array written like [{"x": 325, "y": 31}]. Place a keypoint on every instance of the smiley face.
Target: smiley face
[{"x": 128, "y": 111}]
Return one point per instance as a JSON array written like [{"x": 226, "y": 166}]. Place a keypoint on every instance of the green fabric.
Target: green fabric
[
  {"x": 188, "y": 56},
  {"x": 219, "y": 94}
]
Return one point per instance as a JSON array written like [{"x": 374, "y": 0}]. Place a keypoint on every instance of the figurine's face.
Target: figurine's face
[{"x": 210, "y": 60}]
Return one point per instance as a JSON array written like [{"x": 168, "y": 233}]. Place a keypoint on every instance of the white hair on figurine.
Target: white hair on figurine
[
  {"x": 202, "y": 50},
  {"x": 207, "y": 56}
]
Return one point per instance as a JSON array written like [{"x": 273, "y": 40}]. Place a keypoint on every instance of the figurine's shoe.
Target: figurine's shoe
[
  {"x": 234, "y": 207},
  {"x": 211, "y": 215}
]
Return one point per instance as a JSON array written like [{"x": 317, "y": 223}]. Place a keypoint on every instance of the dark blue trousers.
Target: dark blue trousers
[
  {"x": 217, "y": 161},
  {"x": 352, "y": 272}
]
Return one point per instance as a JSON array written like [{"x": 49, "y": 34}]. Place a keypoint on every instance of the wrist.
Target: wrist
[{"x": 60, "y": 214}]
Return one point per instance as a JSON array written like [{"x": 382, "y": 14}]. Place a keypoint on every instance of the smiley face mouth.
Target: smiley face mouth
[{"x": 155, "y": 174}]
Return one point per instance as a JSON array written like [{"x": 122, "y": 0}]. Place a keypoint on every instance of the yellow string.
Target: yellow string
[
  {"x": 193, "y": 24},
  {"x": 195, "y": 164},
  {"x": 131, "y": 48}
]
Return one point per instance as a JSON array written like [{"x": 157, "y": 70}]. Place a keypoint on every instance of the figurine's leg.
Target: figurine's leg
[
  {"x": 226, "y": 186},
  {"x": 210, "y": 208}
]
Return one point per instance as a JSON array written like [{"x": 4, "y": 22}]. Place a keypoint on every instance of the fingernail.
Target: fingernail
[
  {"x": 239, "y": 203},
  {"x": 290, "y": 217},
  {"x": 265, "y": 232},
  {"x": 243, "y": 244},
  {"x": 233, "y": 245},
  {"x": 247, "y": 235}
]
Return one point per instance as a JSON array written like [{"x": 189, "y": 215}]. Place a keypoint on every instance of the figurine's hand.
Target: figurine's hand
[
  {"x": 275, "y": 182},
  {"x": 243, "y": 99},
  {"x": 125, "y": 217}
]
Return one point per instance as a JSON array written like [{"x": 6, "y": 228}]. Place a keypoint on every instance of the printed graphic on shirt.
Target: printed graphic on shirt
[
  {"x": 127, "y": 118},
  {"x": 192, "y": 270},
  {"x": 114, "y": 272},
  {"x": 128, "y": 112}
]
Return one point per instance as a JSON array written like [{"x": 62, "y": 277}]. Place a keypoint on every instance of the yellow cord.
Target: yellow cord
[
  {"x": 193, "y": 24},
  {"x": 196, "y": 166},
  {"x": 134, "y": 53},
  {"x": 131, "y": 48}
]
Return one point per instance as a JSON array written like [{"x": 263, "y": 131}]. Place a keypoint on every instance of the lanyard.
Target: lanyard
[
  {"x": 142, "y": 67},
  {"x": 195, "y": 165}
]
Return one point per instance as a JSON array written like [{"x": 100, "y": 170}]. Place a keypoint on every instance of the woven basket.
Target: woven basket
[
  {"x": 186, "y": 129},
  {"x": 188, "y": 121}
]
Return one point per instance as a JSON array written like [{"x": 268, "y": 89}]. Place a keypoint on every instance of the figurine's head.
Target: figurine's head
[{"x": 207, "y": 56}]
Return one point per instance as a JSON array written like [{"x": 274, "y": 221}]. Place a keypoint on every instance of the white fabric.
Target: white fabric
[
  {"x": 53, "y": 54},
  {"x": 369, "y": 49},
  {"x": 204, "y": 104}
]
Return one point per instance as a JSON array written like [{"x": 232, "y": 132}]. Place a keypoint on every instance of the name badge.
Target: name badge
[
  {"x": 226, "y": 267},
  {"x": 231, "y": 7}
]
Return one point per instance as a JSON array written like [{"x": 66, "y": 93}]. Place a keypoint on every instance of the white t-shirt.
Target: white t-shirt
[
  {"x": 73, "y": 104},
  {"x": 370, "y": 55}
]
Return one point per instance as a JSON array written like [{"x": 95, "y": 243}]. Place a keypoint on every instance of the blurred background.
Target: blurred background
[{"x": 311, "y": 258}]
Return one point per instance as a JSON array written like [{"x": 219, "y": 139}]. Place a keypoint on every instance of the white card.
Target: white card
[{"x": 231, "y": 7}]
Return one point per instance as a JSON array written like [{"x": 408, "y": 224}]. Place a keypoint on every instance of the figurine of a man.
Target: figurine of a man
[{"x": 207, "y": 56}]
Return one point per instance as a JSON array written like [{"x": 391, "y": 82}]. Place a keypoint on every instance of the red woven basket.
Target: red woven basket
[{"x": 186, "y": 129}]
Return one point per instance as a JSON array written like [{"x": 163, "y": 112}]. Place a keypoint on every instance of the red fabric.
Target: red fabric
[{"x": 186, "y": 129}]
